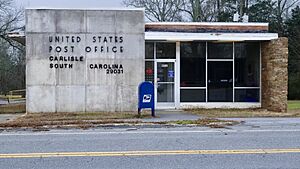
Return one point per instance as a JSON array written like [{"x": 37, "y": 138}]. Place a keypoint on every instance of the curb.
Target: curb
[{"x": 107, "y": 126}]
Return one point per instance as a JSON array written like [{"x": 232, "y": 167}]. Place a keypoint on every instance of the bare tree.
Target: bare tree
[
  {"x": 158, "y": 10},
  {"x": 208, "y": 10},
  {"x": 10, "y": 17},
  {"x": 195, "y": 10},
  {"x": 283, "y": 8},
  {"x": 12, "y": 54}
]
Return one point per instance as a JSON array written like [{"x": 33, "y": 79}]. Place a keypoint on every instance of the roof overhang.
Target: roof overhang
[
  {"x": 209, "y": 23},
  {"x": 180, "y": 36}
]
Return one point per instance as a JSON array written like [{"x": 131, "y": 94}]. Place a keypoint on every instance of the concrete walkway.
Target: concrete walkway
[
  {"x": 6, "y": 117},
  {"x": 3, "y": 102},
  {"x": 170, "y": 115}
]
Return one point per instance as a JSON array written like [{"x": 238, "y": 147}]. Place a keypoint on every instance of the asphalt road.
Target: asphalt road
[{"x": 256, "y": 144}]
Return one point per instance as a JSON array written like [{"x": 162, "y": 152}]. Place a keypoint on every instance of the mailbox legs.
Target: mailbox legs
[{"x": 153, "y": 112}]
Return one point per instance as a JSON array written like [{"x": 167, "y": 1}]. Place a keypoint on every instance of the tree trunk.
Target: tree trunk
[{"x": 242, "y": 7}]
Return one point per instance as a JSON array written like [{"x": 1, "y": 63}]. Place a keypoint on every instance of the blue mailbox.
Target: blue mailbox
[{"x": 146, "y": 97}]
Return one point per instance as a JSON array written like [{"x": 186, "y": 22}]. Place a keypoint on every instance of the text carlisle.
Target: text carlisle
[{"x": 66, "y": 58}]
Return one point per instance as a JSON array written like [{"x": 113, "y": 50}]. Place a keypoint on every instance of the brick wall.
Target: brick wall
[{"x": 275, "y": 74}]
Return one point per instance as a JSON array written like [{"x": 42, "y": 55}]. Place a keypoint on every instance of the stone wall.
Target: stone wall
[
  {"x": 83, "y": 60},
  {"x": 275, "y": 74}
]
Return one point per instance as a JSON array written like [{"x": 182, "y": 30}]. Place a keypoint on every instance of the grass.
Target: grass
[
  {"x": 293, "y": 104},
  {"x": 12, "y": 108},
  {"x": 81, "y": 120},
  {"x": 42, "y": 121},
  {"x": 208, "y": 122}
]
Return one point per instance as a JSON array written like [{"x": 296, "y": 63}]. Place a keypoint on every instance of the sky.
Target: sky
[{"x": 69, "y": 3}]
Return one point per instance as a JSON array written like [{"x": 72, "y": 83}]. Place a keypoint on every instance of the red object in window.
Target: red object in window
[{"x": 149, "y": 71}]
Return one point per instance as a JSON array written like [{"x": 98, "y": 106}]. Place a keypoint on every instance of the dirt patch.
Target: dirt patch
[
  {"x": 208, "y": 122},
  {"x": 45, "y": 121},
  {"x": 241, "y": 113},
  {"x": 13, "y": 108},
  {"x": 82, "y": 120}
]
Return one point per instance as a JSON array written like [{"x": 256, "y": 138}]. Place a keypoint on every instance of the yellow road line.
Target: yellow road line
[{"x": 147, "y": 153}]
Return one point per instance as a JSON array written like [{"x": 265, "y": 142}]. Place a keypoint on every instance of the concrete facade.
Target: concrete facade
[
  {"x": 83, "y": 60},
  {"x": 275, "y": 75}
]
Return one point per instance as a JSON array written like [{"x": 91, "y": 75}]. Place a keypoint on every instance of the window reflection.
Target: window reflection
[
  {"x": 220, "y": 50},
  {"x": 220, "y": 86},
  {"x": 149, "y": 71},
  {"x": 165, "y": 72},
  {"x": 247, "y": 64},
  {"x": 165, "y": 93},
  {"x": 192, "y": 64},
  {"x": 246, "y": 95},
  {"x": 192, "y": 95},
  {"x": 149, "y": 50},
  {"x": 165, "y": 51}
]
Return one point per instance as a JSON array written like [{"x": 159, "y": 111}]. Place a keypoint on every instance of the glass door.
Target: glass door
[
  {"x": 165, "y": 83},
  {"x": 220, "y": 81}
]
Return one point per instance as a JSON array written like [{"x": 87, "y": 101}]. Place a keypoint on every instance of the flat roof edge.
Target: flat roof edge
[
  {"x": 85, "y": 9},
  {"x": 170, "y": 36},
  {"x": 210, "y": 23}
]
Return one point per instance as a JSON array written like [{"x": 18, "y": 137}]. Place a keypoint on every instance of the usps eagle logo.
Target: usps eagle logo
[{"x": 147, "y": 98}]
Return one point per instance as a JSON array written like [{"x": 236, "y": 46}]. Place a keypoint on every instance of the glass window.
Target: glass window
[
  {"x": 165, "y": 72},
  {"x": 220, "y": 50},
  {"x": 165, "y": 92},
  {"x": 220, "y": 81},
  {"x": 149, "y": 71},
  {"x": 192, "y": 95},
  {"x": 246, "y": 95},
  {"x": 165, "y": 51},
  {"x": 192, "y": 64},
  {"x": 149, "y": 50},
  {"x": 247, "y": 58}
]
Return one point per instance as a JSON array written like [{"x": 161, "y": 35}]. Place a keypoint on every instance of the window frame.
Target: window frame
[{"x": 207, "y": 60}]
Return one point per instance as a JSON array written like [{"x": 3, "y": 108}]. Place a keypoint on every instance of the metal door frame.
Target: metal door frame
[{"x": 166, "y": 105}]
